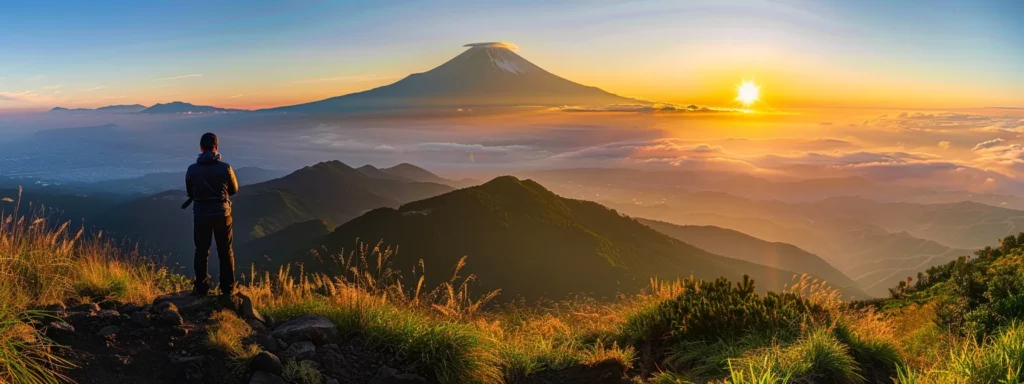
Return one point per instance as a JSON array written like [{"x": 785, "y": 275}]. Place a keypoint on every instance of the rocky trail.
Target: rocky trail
[{"x": 166, "y": 342}]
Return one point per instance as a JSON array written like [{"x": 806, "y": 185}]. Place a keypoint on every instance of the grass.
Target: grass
[
  {"x": 960, "y": 324},
  {"x": 228, "y": 334}
]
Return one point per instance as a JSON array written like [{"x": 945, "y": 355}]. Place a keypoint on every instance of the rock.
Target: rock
[
  {"x": 303, "y": 350},
  {"x": 317, "y": 329},
  {"x": 170, "y": 317},
  {"x": 184, "y": 300},
  {"x": 266, "y": 342},
  {"x": 78, "y": 317},
  {"x": 187, "y": 368},
  {"x": 129, "y": 308},
  {"x": 165, "y": 305},
  {"x": 281, "y": 344},
  {"x": 333, "y": 360},
  {"x": 266, "y": 378},
  {"x": 109, "y": 304},
  {"x": 256, "y": 326},
  {"x": 141, "y": 318},
  {"x": 269, "y": 321},
  {"x": 387, "y": 375},
  {"x": 108, "y": 316},
  {"x": 266, "y": 362},
  {"x": 331, "y": 380},
  {"x": 60, "y": 332},
  {"x": 87, "y": 307},
  {"x": 109, "y": 332},
  {"x": 179, "y": 331}
]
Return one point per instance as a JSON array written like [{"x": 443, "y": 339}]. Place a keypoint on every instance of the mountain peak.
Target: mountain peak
[{"x": 494, "y": 44}]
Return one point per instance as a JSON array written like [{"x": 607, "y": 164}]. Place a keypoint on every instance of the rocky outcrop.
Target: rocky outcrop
[{"x": 315, "y": 329}]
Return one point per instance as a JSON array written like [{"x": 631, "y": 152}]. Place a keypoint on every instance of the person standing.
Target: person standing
[{"x": 209, "y": 183}]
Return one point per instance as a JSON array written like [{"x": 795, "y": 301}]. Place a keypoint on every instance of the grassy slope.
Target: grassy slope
[
  {"x": 735, "y": 244},
  {"x": 525, "y": 240}
]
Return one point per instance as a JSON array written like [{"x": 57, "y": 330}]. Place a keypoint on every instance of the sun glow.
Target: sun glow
[{"x": 748, "y": 93}]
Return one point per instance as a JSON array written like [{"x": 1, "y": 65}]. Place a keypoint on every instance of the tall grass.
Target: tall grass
[{"x": 45, "y": 263}]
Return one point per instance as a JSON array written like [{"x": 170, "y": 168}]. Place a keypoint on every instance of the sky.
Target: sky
[{"x": 255, "y": 54}]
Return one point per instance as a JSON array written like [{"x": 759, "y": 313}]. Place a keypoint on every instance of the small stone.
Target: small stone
[
  {"x": 179, "y": 331},
  {"x": 281, "y": 344},
  {"x": 266, "y": 378},
  {"x": 109, "y": 304},
  {"x": 109, "y": 332},
  {"x": 388, "y": 375},
  {"x": 317, "y": 329},
  {"x": 108, "y": 316},
  {"x": 141, "y": 318},
  {"x": 78, "y": 317},
  {"x": 331, "y": 380},
  {"x": 183, "y": 300},
  {"x": 266, "y": 362},
  {"x": 60, "y": 332},
  {"x": 87, "y": 307},
  {"x": 303, "y": 350},
  {"x": 170, "y": 317},
  {"x": 165, "y": 305}
]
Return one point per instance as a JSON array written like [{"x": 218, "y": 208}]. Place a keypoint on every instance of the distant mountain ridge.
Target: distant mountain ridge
[
  {"x": 132, "y": 108},
  {"x": 410, "y": 172},
  {"x": 183, "y": 108},
  {"x": 485, "y": 75},
  {"x": 738, "y": 245}
]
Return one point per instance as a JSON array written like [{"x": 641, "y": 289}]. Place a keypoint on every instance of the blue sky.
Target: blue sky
[{"x": 254, "y": 54}]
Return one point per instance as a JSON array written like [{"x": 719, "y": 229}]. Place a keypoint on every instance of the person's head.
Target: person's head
[{"x": 208, "y": 143}]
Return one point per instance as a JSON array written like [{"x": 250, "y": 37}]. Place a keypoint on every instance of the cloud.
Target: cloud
[
  {"x": 988, "y": 144},
  {"x": 32, "y": 79},
  {"x": 91, "y": 89},
  {"x": 655, "y": 107},
  {"x": 494, "y": 44},
  {"x": 58, "y": 86},
  {"x": 944, "y": 144},
  {"x": 181, "y": 76},
  {"x": 237, "y": 96},
  {"x": 353, "y": 78}
]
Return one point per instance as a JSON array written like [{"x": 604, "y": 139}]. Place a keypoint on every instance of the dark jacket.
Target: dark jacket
[{"x": 209, "y": 182}]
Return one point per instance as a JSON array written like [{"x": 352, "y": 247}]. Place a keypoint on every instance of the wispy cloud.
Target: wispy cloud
[
  {"x": 988, "y": 144},
  {"x": 91, "y": 89},
  {"x": 54, "y": 86},
  {"x": 181, "y": 76},
  {"x": 34, "y": 78},
  {"x": 238, "y": 95},
  {"x": 356, "y": 78}
]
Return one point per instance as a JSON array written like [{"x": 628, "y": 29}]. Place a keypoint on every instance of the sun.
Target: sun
[{"x": 748, "y": 93}]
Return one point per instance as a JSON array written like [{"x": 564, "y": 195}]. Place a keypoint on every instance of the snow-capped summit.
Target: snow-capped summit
[{"x": 489, "y": 74}]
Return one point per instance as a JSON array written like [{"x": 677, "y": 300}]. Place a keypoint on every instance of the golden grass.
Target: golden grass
[{"x": 228, "y": 334}]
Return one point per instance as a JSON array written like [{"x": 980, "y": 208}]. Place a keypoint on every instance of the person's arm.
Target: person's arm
[
  {"x": 188, "y": 182},
  {"x": 232, "y": 182}
]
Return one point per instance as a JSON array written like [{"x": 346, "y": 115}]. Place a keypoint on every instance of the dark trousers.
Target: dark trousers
[{"x": 204, "y": 230}]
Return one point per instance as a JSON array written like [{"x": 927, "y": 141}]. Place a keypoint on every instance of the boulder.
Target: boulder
[
  {"x": 316, "y": 329},
  {"x": 109, "y": 304},
  {"x": 179, "y": 331},
  {"x": 266, "y": 362},
  {"x": 303, "y": 350},
  {"x": 388, "y": 375},
  {"x": 256, "y": 326},
  {"x": 266, "y": 378},
  {"x": 79, "y": 317},
  {"x": 242, "y": 306},
  {"x": 170, "y": 317},
  {"x": 164, "y": 305},
  {"x": 331, "y": 380},
  {"x": 108, "y": 316}
]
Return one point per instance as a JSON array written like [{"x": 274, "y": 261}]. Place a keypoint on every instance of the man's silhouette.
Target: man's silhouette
[{"x": 209, "y": 182}]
